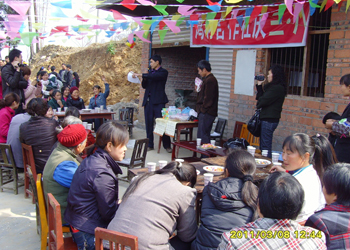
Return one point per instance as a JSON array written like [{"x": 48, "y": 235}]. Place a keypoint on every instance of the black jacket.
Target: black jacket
[
  {"x": 154, "y": 85},
  {"x": 13, "y": 81},
  {"x": 270, "y": 100},
  {"x": 40, "y": 133},
  {"x": 220, "y": 214},
  {"x": 79, "y": 104},
  {"x": 68, "y": 78},
  {"x": 93, "y": 193},
  {"x": 342, "y": 144}
]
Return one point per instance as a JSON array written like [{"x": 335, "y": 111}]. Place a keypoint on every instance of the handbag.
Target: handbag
[
  {"x": 236, "y": 143},
  {"x": 254, "y": 124}
]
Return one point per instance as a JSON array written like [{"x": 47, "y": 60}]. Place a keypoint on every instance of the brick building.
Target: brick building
[{"x": 313, "y": 73}]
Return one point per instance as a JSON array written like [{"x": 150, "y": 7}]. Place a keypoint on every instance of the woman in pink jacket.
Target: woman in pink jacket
[
  {"x": 7, "y": 111},
  {"x": 34, "y": 88}
]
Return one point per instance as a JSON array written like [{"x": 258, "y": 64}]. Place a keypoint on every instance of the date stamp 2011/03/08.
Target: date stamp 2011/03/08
[{"x": 280, "y": 234}]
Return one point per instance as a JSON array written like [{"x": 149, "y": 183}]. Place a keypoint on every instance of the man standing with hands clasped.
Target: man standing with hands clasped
[
  {"x": 207, "y": 101},
  {"x": 155, "y": 98}
]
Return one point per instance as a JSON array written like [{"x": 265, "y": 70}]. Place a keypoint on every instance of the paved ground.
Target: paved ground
[{"x": 17, "y": 214}]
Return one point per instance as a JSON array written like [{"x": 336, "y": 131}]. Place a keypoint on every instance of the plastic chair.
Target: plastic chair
[
  {"x": 56, "y": 240},
  {"x": 116, "y": 240},
  {"x": 8, "y": 169},
  {"x": 138, "y": 157},
  {"x": 126, "y": 118},
  {"x": 44, "y": 228},
  {"x": 219, "y": 129},
  {"x": 28, "y": 163}
]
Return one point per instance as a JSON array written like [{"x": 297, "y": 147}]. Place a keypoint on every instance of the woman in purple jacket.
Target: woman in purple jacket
[{"x": 93, "y": 194}]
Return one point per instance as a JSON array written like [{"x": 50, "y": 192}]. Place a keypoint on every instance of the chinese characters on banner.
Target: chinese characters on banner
[{"x": 262, "y": 32}]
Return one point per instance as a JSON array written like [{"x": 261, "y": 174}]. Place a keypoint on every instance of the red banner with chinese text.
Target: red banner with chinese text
[{"x": 259, "y": 33}]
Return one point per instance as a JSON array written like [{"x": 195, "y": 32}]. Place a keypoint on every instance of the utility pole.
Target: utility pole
[{"x": 36, "y": 20}]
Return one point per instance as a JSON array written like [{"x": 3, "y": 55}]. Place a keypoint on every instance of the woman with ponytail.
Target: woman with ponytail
[
  {"x": 7, "y": 111},
  {"x": 324, "y": 155},
  {"x": 298, "y": 157},
  {"x": 158, "y": 203},
  {"x": 228, "y": 203}
]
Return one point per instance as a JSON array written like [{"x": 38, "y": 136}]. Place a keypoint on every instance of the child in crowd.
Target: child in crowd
[
  {"x": 50, "y": 114},
  {"x": 280, "y": 200},
  {"x": 93, "y": 196},
  {"x": 74, "y": 99},
  {"x": 228, "y": 203},
  {"x": 334, "y": 219},
  {"x": 298, "y": 153},
  {"x": 62, "y": 163},
  {"x": 166, "y": 198},
  {"x": 7, "y": 111}
]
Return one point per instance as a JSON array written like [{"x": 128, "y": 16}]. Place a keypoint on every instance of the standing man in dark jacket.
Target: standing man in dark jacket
[
  {"x": 69, "y": 76},
  {"x": 155, "y": 98},
  {"x": 12, "y": 78},
  {"x": 207, "y": 101},
  {"x": 62, "y": 73}
]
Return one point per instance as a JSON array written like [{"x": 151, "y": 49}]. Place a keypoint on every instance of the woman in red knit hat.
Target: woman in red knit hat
[
  {"x": 74, "y": 99},
  {"x": 62, "y": 163},
  {"x": 93, "y": 196}
]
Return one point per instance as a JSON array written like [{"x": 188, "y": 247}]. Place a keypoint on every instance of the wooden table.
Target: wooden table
[
  {"x": 91, "y": 115},
  {"x": 259, "y": 176},
  {"x": 179, "y": 126},
  {"x": 192, "y": 146}
]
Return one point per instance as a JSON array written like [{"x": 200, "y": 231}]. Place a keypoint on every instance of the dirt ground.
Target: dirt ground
[{"x": 91, "y": 63}]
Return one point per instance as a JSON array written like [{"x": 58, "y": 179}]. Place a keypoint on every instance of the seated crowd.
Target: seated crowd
[{"x": 303, "y": 205}]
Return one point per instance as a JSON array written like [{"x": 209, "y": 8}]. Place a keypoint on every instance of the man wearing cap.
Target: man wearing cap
[
  {"x": 155, "y": 98},
  {"x": 62, "y": 163}
]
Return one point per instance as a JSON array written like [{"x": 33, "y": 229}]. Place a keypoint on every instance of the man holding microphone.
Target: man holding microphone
[{"x": 155, "y": 98}]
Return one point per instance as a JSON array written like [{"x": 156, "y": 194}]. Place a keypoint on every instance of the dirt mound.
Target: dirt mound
[{"x": 91, "y": 63}]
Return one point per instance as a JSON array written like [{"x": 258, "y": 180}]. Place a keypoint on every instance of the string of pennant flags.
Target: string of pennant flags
[{"x": 210, "y": 15}]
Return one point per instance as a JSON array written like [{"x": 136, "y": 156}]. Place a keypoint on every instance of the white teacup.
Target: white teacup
[
  {"x": 208, "y": 177},
  {"x": 151, "y": 166},
  {"x": 162, "y": 164}
]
